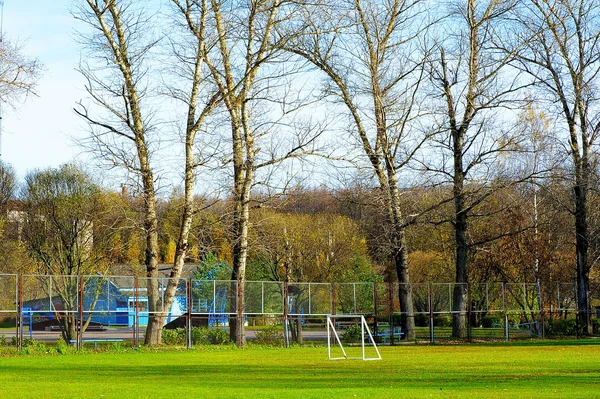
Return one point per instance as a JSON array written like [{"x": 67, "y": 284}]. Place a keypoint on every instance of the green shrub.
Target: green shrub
[
  {"x": 174, "y": 337},
  {"x": 3, "y": 340},
  {"x": 218, "y": 336},
  {"x": 567, "y": 327},
  {"x": 61, "y": 346},
  {"x": 491, "y": 321},
  {"x": 352, "y": 334},
  {"x": 200, "y": 335},
  {"x": 270, "y": 335},
  {"x": 596, "y": 326},
  {"x": 443, "y": 321},
  {"x": 32, "y": 347}
]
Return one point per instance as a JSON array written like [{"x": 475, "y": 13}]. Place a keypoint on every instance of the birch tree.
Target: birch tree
[
  {"x": 121, "y": 40},
  {"x": 535, "y": 126},
  {"x": 253, "y": 79}
]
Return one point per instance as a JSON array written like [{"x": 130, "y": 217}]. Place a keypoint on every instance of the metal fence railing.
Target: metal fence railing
[{"x": 123, "y": 305}]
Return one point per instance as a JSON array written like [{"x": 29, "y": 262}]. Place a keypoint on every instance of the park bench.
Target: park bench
[{"x": 383, "y": 333}]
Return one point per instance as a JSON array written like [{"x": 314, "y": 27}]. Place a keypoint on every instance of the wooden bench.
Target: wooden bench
[{"x": 96, "y": 340}]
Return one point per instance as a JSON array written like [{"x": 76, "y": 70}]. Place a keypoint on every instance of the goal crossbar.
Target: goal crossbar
[{"x": 365, "y": 332}]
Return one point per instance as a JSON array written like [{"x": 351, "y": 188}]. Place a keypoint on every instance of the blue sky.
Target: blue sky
[
  {"x": 42, "y": 131},
  {"x": 39, "y": 133}
]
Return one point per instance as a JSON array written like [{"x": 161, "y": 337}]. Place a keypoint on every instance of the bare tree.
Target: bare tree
[
  {"x": 537, "y": 148},
  {"x": 370, "y": 53},
  {"x": 468, "y": 77},
  {"x": 255, "y": 81},
  {"x": 112, "y": 41},
  {"x": 18, "y": 74},
  {"x": 121, "y": 40},
  {"x": 562, "y": 57}
]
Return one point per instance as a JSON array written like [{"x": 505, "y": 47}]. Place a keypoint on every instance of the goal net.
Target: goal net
[{"x": 349, "y": 337}]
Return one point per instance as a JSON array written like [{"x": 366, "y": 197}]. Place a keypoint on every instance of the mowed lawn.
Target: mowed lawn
[{"x": 460, "y": 371}]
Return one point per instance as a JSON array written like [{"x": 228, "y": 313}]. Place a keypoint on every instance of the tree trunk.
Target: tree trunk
[
  {"x": 459, "y": 317},
  {"x": 240, "y": 253},
  {"x": 581, "y": 245},
  {"x": 243, "y": 176},
  {"x": 399, "y": 249},
  {"x": 67, "y": 326},
  {"x": 187, "y": 217},
  {"x": 407, "y": 320},
  {"x": 155, "y": 319}
]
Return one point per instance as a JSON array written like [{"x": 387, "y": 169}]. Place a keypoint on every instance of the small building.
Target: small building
[{"x": 108, "y": 303}]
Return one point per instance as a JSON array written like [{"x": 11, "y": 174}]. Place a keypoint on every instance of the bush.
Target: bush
[
  {"x": 174, "y": 337},
  {"x": 568, "y": 327},
  {"x": 596, "y": 326},
  {"x": 32, "y": 347},
  {"x": 270, "y": 335},
  {"x": 200, "y": 335},
  {"x": 490, "y": 321},
  {"x": 218, "y": 336},
  {"x": 61, "y": 346},
  {"x": 352, "y": 334},
  {"x": 443, "y": 321}
]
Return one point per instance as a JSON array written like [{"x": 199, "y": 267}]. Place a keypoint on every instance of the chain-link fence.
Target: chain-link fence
[{"x": 114, "y": 308}]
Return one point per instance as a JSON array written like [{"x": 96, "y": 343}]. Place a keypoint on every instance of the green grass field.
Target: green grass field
[{"x": 545, "y": 370}]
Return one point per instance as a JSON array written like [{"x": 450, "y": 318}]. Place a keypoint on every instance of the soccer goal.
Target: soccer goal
[{"x": 346, "y": 332}]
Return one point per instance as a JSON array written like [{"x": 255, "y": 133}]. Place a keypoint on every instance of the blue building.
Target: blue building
[{"x": 109, "y": 305}]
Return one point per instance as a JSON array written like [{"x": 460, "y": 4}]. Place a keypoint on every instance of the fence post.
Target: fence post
[
  {"x": 430, "y": 303},
  {"x": 309, "y": 301},
  {"x": 505, "y": 311},
  {"x": 189, "y": 312},
  {"x": 542, "y": 331},
  {"x": 578, "y": 317},
  {"x": 558, "y": 300},
  {"x": 469, "y": 314},
  {"x": 136, "y": 321},
  {"x": 375, "y": 313},
  {"x": 80, "y": 309},
  {"x": 391, "y": 312},
  {"x": 286, "y": 311},
  {"x": 332, "y": 299},
  {"x": 20, "y": 312}
]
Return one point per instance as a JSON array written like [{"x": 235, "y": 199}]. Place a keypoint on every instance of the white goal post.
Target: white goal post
[{"x": 334, "y": 325}]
